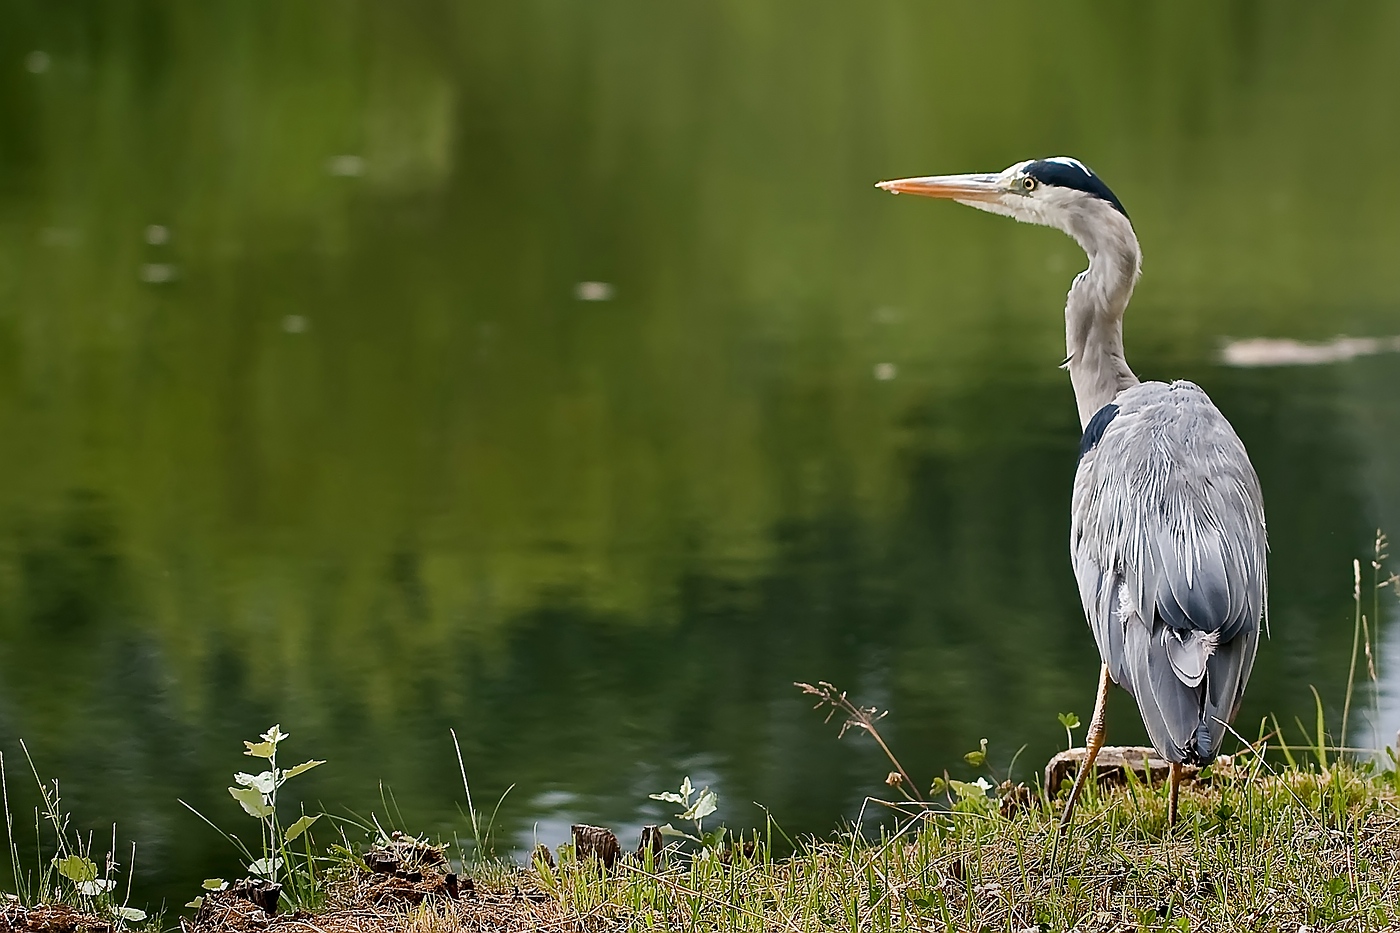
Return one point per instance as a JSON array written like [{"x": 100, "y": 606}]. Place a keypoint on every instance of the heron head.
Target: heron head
[{"x": 1057, "y": 192}]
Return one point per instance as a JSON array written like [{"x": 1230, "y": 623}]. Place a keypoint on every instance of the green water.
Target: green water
[{"x": 304, "y": 421}]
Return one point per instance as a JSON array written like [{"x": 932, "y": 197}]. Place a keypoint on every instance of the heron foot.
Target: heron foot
[{"x": 1093, "y": 741}]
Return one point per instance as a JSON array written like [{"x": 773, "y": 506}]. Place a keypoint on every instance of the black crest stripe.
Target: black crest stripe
[{"x": 1070, "y": 173}]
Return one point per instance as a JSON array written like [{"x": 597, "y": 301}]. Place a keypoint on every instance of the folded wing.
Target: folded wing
[{"x": 1168, "y": 544}]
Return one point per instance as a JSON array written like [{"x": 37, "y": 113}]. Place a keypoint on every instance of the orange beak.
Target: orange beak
[{"x": 950, "y": 187}]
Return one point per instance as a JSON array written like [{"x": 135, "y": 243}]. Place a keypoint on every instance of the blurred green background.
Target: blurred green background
[{"x": 305, "y": 420}]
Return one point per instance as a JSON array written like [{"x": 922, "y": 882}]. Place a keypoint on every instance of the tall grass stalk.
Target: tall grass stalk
[
  {"x": 1355, "y": 645},
  {"x": 1378, "y": 584},
  {"x": 1361, "y": 636},
  {"x": 483, "y": 839},
  {"x": 21, "y": 888}
]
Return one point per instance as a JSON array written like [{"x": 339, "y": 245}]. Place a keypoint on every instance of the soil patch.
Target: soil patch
[
  {"x": 49, "y": 918},
  {"x": 402, "y": 885}
]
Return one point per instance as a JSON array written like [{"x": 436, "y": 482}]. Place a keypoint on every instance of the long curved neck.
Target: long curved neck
[{"x": 1094, "y": 320}]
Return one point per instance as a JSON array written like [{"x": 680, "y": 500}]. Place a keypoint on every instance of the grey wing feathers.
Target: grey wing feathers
[{"x": 1168, "y": 545}]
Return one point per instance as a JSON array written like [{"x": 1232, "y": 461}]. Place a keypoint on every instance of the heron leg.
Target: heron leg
[
  {"x": 1093, "y": 741},
  {"x": 1172, "y": 795}
]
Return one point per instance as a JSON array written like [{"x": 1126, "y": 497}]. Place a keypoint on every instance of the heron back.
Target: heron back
[{"x": 1168, "y": 544}]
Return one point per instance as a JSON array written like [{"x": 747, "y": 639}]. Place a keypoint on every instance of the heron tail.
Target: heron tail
[{"x": 1186, "y": 720}]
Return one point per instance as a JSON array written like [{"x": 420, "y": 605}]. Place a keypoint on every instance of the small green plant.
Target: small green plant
[
  {"x": 977, "y": 796},
  {"x": 1071, "y": 722},
  {"x": 698, "y": 805},
  {"x": 275, "y": 859},
  {"x": 71, "y": 875},
  {"x": 1389, "y": 772},
  {"x": 977, "y": 758}
]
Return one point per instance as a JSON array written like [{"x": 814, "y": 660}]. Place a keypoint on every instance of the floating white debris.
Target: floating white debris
[
  {"x": 593, "y": 291},
  {"x": 1266, "y": 351},
  {"x": 294, "y": 324},
  {"x": 157, "y": 272},
  {"x": 157, "y": 235},
  {"x": 346, "y": 166},
  {"x": 37, "y": 62},
  {"x": 886, "y": 371}
]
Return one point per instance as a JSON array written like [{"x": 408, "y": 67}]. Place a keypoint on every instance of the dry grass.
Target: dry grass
[
  {"x": 47, "y": 918},
  {"x": 1255, "y": 850}
]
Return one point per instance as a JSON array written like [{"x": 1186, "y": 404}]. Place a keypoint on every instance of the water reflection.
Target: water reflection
[{"x": 559, "y": 377}]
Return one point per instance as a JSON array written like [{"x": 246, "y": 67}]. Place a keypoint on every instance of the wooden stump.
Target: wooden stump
[
  {"x": 651, "y": 842},
  {"x": 596, "y": 842},
  {"x": 1111, "y": 767}
]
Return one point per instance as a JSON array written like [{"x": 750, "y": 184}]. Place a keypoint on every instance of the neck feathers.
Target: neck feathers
[{"x": 1094, "y": 311}]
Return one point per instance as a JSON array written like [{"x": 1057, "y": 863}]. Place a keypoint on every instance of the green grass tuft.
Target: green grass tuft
[{"x": 1253, "y": 850}]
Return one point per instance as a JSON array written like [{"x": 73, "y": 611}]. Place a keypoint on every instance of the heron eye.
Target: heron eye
[{"x": 1028, "y": 183}]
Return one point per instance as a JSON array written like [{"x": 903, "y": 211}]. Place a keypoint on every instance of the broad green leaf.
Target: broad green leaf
[
  {"x": 197, "y": 903},
  {"x": 970, "y": 790},
  {"x": 713, "y": 838},
  {"x": 668, "y": 796},
  {"x": 939, "y": 786},
  {"x": 1069, "y": 720},
  {"x": 275, "y": 735},
  {"x": 252, "y": 801},
  {"x": 96, "y": 888},
  {"x": 266, "y": 867},
  {"x": 260, "y": 749},
  {"x": 707, "y": 803},
  {"x": 978, "y": 758},
  {"x": 301, "y": 826},
  {"x": 214, "y": 884},
  {"x": 669, "y": 830},
  {"x": 130, "y": 913},
  {"x": 266, "y": 782},
  {"x": 76, "y": 868},
  {"x": 686, "y": 788},
  {"x": 302, "y": 768}
]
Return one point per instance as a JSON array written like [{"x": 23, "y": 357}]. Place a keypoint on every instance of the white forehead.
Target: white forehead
[
  {"x": 1014, "y": 170},
  {"x": 1075, "y": 163},
  {"x": 1062, "y": 160}
]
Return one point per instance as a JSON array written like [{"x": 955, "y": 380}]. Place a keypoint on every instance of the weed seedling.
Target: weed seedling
[
  {"x": 698, "y": 805},
  {"x": 278, "y": 862}
]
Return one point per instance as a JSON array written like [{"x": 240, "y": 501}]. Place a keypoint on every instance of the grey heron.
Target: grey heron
[{"x": 1167, "y": 535}]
